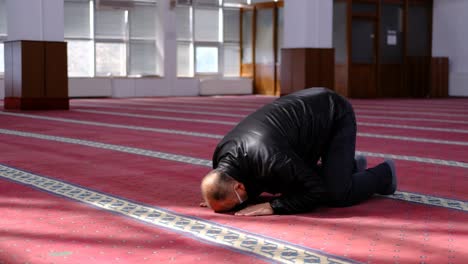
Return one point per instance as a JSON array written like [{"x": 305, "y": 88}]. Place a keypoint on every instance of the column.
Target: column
[
  {"x": 307, "y": 53},
  {"x": 35, "y": 55}
]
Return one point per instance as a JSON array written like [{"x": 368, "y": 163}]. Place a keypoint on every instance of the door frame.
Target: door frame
[{"x": 276, "y": 66}]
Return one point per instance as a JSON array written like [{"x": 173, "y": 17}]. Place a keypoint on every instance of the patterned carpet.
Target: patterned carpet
[{"x": 117, "y": 181}]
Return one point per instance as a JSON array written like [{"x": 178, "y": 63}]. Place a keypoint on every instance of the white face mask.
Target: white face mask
[{"x": 238, "y": 197}]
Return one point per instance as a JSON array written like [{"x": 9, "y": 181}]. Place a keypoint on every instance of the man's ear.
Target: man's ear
[{"x": 239, "y": 186}]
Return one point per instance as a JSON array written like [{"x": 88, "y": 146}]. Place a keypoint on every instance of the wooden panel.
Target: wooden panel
[
  {"x": 417, "y": 76},
  {"x": 320, "y": 68},
  {"x": 391, "y": 81},
  {"x": 439, "y": 77},
  {"x": 341, "y": 79},
  {"x": 278, "y": 79},
  {"x": 285, "y": 71},
  {"x": 297, "y": 71},
  {"x": 362, "y": 82},
  {"x": 56, "y": 74},
  {"x": 247, "y": 70},
  {"x": 32, "y": 75},
  {"x": 306, "y": 67},
  {"x": 264, "y": 79}
]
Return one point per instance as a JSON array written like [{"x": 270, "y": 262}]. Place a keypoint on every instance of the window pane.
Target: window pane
[
  {"x": 206, "y": 60},
  {"x": 110, "y": 24},
  {"x": 184, "y": 60},
  {"x": 206, "y": 24},
  {"x": 77, "y": 22},
  {"x": 3, "y": 20},
  {"x": 391, "y": 27},
  {"x": 231, "y": 60},
  {"x": 280, "y": 32},
  {"x": 339, "y": 31},
  {"x": 418, "y": 30},
  {"x": 110, "y": 59},
  {"x": 143, "y": 21},
  {"x": 184, "y": 31},
  {"x": 2, "y": 60},
  {"x": 80, "y": 58},
  {"x": 362, "y": 41},
  {"x": 142, "y": 58},
  {"x": 264, "y": 52},
  {"x": 260, "y": 1},
  {"x": 207, "y": 2},
  {"x": 235, "y": 2},
  {"x": 364, "y": 8},
  {"x": 247, "y": 50},
  {"x": 231, "y": 22}
]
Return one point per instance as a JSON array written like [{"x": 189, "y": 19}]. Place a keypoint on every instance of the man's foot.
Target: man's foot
[
  {"x": 393, "y": 184},
  {"x": 361, "y": 163}
]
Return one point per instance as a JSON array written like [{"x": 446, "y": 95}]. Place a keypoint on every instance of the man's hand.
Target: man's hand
[
  {"x": 203, "y": 204},
  {"x": 256, "y": 210}
]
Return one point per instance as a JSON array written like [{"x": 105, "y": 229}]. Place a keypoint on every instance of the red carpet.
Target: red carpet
[{"x": 123, "y": 154}]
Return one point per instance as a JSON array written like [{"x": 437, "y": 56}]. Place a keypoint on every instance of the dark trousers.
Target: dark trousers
[{"x": 344, "y": 185}]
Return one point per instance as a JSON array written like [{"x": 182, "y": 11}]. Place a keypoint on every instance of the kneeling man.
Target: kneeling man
[{"x": 300, "y": 147}]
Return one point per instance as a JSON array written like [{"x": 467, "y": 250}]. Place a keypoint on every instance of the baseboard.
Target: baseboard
[{"x": 226, "y": 86}]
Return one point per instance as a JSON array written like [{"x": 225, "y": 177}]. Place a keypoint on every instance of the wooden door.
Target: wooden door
[
  {"x": 418, "y": 47},
  {"x": 265, "y": 39},
  {"x": 391, "y": 50},
  {"x": 363, "y": 65}
]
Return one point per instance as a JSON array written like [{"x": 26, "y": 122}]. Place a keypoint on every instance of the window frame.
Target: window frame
[
  {"x": 126, "y": 40},
  {"x": 219, "y": 44}
]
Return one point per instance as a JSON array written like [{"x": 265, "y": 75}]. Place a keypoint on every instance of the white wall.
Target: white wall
[
  {"x": 35, "y": 20},
  {"x": 450, "y": 39},
  {"x": 308, "y": 24}
]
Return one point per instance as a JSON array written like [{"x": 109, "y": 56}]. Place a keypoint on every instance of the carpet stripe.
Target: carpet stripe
[
  {"x": 410, "y": 113},
  {"x": 207, "y": 135},
  {"x": 171, "y": 105},
  {"x": 430, "y": 200},
  {"x": 232, "y": 123},
  {"x": 202, "y": 162},
  {"x": 130, "y": 127},
  {"x": 423, "y": 128},
  {"x": 409, "y": 109},
  {"x": 414, "y": 119},
  {"x": 159, "y": 117},
  {"x": 256, "y": 105},
  {"x": 253, "y": 109},
  {"x": 415, "y": 139},
  {"x": 181, "y": 111},
  {"x": 239, "y": 240}
]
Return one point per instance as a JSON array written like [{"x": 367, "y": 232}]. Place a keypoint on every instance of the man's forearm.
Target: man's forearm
[{"x": 300, "y": 203}]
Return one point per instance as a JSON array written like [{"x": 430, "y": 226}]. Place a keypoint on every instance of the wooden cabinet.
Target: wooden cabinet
[{"x": 36, "y": 75}]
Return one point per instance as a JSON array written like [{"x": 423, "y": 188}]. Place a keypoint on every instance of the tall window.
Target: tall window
[
  {"x": 208, "y": 38},
  {"x": 110, "y": 41},
  {"x": 3, "y": 34}
]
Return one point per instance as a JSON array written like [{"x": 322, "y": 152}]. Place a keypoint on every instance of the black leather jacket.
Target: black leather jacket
[{"x": 276, "y": 148}]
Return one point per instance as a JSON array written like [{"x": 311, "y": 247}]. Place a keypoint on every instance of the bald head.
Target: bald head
[{"x": 218, "y": 190}]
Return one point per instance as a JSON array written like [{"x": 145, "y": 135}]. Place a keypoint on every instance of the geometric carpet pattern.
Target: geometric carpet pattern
[{"x": 117, "y": 181}]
